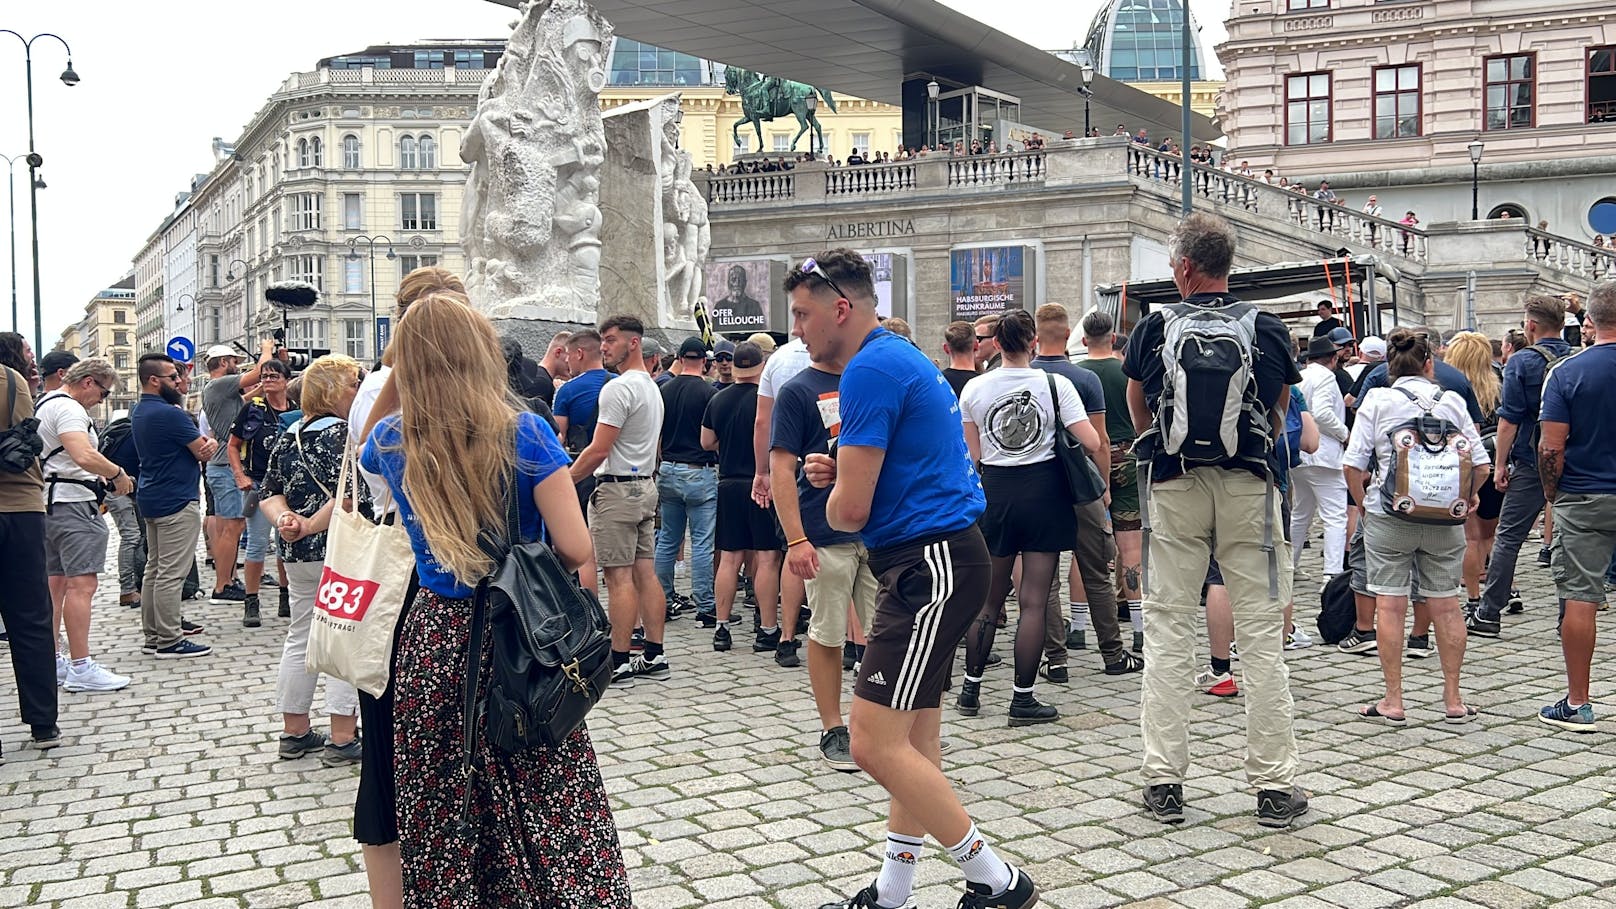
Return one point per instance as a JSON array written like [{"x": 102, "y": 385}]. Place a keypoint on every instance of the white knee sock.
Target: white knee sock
[
  {"x": 897, "y": 878},
  {"x": 1080, "y": 616},
  {"x": 1136, "y": 615},
  {"x": 980, "y": 863}
]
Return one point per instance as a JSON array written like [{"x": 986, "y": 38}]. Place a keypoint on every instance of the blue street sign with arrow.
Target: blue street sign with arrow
[{"x": 181, "y": 349}]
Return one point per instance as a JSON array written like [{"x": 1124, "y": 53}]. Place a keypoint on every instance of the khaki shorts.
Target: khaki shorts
[
  {"x": 844, "y": 576},
  {"x": 622, "y": 522},
  {"x": 1584, "y": 535}
]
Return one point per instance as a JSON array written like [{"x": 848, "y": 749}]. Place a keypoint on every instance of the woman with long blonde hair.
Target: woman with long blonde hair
[
  {"x": 540, "y": 828},
  {"x": 1471, "y": 353}
]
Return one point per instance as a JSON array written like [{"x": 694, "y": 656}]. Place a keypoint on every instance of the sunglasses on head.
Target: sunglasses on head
[{"x": 811, "y": 266}]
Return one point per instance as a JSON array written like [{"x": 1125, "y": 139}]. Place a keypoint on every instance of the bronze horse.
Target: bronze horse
[{"x": 767, "y": 97}]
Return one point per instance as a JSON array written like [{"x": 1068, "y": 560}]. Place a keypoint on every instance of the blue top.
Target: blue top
[
  {"x": 1577, "y": 392},
  {"x": 1447, "y": 378},
  {"x": 538, "y": 454},
  {"x": 1086, "y": 381},
  {"x": 894, "y": 399},
  {"x": 807, "y": 415},
  {"x": 1523, "y": 392},
  {"x": 579, "y": 401},
  {"x": 169, "y": 473}
]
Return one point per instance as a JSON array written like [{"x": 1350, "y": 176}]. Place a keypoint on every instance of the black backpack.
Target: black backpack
[
  {"x": 117, "y": 444},
  {"x": 20, "y": 445},
  {"x": 1338, "y": 610}
]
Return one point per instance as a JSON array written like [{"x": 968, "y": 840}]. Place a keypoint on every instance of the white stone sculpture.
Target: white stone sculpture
[
  {"x": 536, "y": 145},
  {"x": 686, "y": 234}
]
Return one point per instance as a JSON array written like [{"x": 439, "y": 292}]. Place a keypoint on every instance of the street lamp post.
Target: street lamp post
[
  {"x": 1085, "y": 63},
  {"x": 70, "y": 79},
  {"x": 353, "y": 254},
  {"x": 179, "y": 306},
  {"x": 933, "y": 121},
  {"x": 1475, "y": 179},
  {"x": 11, "y": 198}
]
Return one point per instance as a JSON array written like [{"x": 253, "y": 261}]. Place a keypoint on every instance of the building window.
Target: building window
[
  {"x": 861, "y": 141},
  {"x": 419, "y": 211},
  {"x": 427, "y": 151},
  {"x": 1397, "y": 101},
  {"x": 406, "y": 153},
  {"x": 305, "y": 211},
  {"x": 316, "y": 152},
  {"x": 782, "y": 141},
  {"x": 1299, "y": 5},
  {"x": 429, "y": 60},
  {"x": 305, "y": 334},
  {"x": 350, "y": 152},
  {"x": 354, "y": 336},
  {"x": 120, "y": 339},
  {"x": 120, "y": 360},
  {"x": 1145, "y": 42},
  {"x": 1511, "y": 91},
  {"x": 407, "y": 264},
  {"x": 1307, "y": 109},
  {"x": 1602, "y": 84},
  {"x": 352, "y": 209},
  {"x": 637, "y": 63},
  {"x": 213, "y": 271},
  {"x": 353, "y": 276},
  {"x": 119, "y": 316},
  {"x": 303, "y": 159},
  {"x": 308, "y": 269}
]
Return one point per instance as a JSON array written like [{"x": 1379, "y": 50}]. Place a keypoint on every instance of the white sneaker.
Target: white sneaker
[
  {"x": 1298, "y": 639},
  {"x": 62, "y": 665},
  {"x": 93, "y": 677}
]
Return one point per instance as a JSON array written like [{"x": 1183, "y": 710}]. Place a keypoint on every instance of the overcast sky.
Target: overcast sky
[{"x": 161, "y": 80}]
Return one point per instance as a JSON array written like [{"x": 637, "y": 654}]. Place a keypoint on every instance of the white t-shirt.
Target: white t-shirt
[
  {"x": 59, "y": 413},
  {"x": 1015, "y": 415},
  {"x": 363, "y": 401},
  {"x": 1370, "y": 446},
  {"x": 633, "y": 403},
  {"x": 783, "y": 366}
]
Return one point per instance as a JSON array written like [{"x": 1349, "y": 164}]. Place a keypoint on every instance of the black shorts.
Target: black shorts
[
  {"x": 931, "y": 590},
  {"x": 1029, "y": 509},
  {"x": 586, "y": 488},
  {"x": 1492, "y": 501},
  {"x": 376, "y": 805},
  {"x": 742, "y": 525}
]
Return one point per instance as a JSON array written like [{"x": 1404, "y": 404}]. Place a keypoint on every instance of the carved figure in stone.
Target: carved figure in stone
[
  {"x": 686, "y": 235},
  {"x": 536, "y": 146},
  {"x": 763, "y": 98}
]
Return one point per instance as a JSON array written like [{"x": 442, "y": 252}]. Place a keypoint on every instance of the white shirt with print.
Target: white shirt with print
[
  {"x": 1014, "y": 413},
  {"x": 1383, "y": 409}
]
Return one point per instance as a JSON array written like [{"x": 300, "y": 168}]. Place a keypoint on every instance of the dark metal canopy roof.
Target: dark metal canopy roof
[{"x": 869, "y": 48}]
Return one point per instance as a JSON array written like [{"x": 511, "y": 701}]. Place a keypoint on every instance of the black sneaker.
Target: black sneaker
[
  {"x": 849, "y": 655},
  {"x": 969, "y": 701},
  {"x": 182, "y": 649},
  {"x": 1021, "y": 894},
  {"x": 189, "y": 628},
  {"x": 268, "y": 580},
  {"x": 656, "y": 669},
  {"x": 678, "y": 605},
  {"x": 1165, "y": 802},
  {"x": 249, "y": 612},
  {"x": 803, "y": 617},
  {"x": 637, "y": 640},
  {"x": 994, "y": 659},
  {"x": 707, "y": 619},
  {"x": 864, "y": 899},
  {"x": 1515, "y": 605},
  {"x": 1358, "y": 641},
  {"x": 233, "y": 592},
  {"x": 1483, "y": 628},
  {"x": 348, "y": 755},
  {"x": 785, "y": 654},
  {"x": 1543, "y": 556},
  {"x": 1056, "y": 674},
  {"x": 1075, "y": 640},
  {"x": 45, "y": 738},
  {"x": 293, "y": 747},
  {"x": 623, "y": 675},
  {"x": 1027, "y": 710},
  {"x": 1277, "y": 807},
  {"x": 284, "y": 609},
  {"x": 836, "y": 749},
  {"x": 1124, "y": 664},
  {"x": 721, "y": 639},
  {"x": 1138, "y": 642},
  {"x": 766, "y": 641}
]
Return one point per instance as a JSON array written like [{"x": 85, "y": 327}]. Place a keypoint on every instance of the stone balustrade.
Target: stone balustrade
[
  {"x": 1581, "y": 259},
  {"x": 996, "y": 170},
  {"x": 870, "y": 179},
  {"x": 737, "y": 189}
]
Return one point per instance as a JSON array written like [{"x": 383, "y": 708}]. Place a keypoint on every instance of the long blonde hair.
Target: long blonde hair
[
  {"x": 459, "y": 427},
  {"x": 1472, "y": 354}
]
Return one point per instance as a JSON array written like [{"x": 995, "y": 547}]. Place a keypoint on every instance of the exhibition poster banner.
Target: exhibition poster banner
[
  {"x": 881, "y": 266},
  {"x": 986, "y": 281},
  {"x": 738, "y": 295}
]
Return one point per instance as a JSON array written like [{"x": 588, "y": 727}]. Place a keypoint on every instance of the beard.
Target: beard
[{"x": 172, "y": 395}]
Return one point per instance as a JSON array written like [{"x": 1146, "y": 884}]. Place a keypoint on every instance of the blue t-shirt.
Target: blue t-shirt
[
  {"x": 894, "y": 399},
  {"x": 579, "y": 401},
  {"x": 169, "y": 473},
  {"x": 807, "y": 415},
  {"x": 1086, "y": 381},
  {"x": 1577, "y": 392},
  {"x": 1522, "y": 393},
  {"x": 538, "y": 454},
  {"x": 1447, "y": 378}
]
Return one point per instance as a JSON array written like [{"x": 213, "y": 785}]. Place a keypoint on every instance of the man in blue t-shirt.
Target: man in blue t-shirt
[
  {"x": 577, "y": 403},
  {"x": 901, "y": 478},
  {"x": 1579, "y": 476},
  {"x": 1518, "y": 480},
  {"x": 172, "y": 452}
]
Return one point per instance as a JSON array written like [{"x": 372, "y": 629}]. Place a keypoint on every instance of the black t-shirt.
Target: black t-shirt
[
  {"x": 543, "y": 385},
  {"x": 807, "y": 414},
  {"x": 684, "y": 401},
  {"x": 258, "y": 425},
  {"x": 1326, "y": 326},
  {"x": 1271, "y": 360},
  {"x": 958, "y": 377},
  {"x": 730, "y": 415}
]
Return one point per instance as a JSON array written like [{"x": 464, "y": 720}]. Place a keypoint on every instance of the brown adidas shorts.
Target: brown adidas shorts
[{"x": 931, "y": 589}]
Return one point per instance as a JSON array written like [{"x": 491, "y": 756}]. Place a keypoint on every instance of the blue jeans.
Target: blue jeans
[{"x": 689, "y": 497}]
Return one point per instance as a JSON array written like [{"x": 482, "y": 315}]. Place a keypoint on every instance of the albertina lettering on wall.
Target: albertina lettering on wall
[{"x": 870, "y": 230}]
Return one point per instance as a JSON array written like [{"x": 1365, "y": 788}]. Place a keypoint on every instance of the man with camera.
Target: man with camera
[
  {"x": 252, "y": 438},
  {"x": 221, "y": 404}
]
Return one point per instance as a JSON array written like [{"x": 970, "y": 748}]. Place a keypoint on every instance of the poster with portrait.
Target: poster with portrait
[
  {"x": 989, "y": 280},
  {"x": 890, "y": 273},
  {"x": 740, "y": 294}
]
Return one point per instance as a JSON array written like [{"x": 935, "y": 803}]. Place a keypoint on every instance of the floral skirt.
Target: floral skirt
[{"x": 541, "y": 834}]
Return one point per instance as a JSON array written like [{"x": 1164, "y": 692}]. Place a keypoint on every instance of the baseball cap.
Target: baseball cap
[
  {"x": 222, "y": 350},
  {"x": 748, "y": 360},
  {"x": 724, "y": 349},
  {"x": 1372, "y": 348},
  {"x": 56, "y": 359},
  {"x": 692, "y": 347},
  {"x": 1341, "y": 336},
  {"x": 763, "y": 342},
  {"x": 650, "y": 348}
]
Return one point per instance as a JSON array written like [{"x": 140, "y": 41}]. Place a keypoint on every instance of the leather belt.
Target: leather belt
[{"x": 615, "y": 478}]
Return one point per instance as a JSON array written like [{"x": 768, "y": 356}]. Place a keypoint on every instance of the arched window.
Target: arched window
[
  {"x": 315, "y": 152},
  {"x": 406, "y": 153},
  {"x": 1507, "y": 210},
  {"x": 303, "y": 159},
  {"x": 350, "y": 152},
  {"x": 428, "y": 153}
]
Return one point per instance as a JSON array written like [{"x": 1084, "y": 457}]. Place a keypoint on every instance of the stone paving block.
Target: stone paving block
[{"x": 1547, "y": 883}]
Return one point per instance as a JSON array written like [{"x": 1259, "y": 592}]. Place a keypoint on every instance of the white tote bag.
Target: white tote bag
[{"x": 361, "y": 592}]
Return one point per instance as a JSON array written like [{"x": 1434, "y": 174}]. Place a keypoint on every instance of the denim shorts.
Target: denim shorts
[{"x": 227, "y": 500}]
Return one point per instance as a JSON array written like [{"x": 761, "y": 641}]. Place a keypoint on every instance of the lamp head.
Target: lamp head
[
  {"x": 39, "y": 182},
  {"x": 1475, "y": 151},
  {"x": 933, "y": 89},
  {"x": 353, "y": 254},
  {"x": 70, "y": 78},
  {"x": 390, "y": 254},
  {"x": 811, "y": 102}
]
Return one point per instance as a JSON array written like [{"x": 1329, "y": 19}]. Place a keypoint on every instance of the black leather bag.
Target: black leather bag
[
  {"x": 1082, "y": 474},
  {"x": 20, "y": 445}
]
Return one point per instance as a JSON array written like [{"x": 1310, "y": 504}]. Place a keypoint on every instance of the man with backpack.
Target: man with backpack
[
  {"x": 117, "y": 444},
  {"x": 1517, "y": 434},
  {"x": 1208, "y": 379},
  {"x": 251, "y": 439}
]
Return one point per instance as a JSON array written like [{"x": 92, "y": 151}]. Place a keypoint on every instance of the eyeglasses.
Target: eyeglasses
[
  {"x": 984, "y": 337},
  {"x": 810, "y": 266},
  {"x": 105, "y": 391}
]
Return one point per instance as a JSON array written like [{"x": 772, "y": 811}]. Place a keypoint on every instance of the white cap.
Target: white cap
[{"x": 1372, "y": 348}]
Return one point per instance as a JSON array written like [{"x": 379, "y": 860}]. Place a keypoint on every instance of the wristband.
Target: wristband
[{"x": 796, "y": 541}]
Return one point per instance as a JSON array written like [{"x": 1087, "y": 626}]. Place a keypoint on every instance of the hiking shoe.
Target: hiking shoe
[
  {"x": 656, "y": 669},
  {"x": 1562, "y": 714},
  {"x": 233, "y": 592},
  {"x": 1543, "y": 556},
  {"x": 189, "y": 628},
  {"x": 623, "y": 676},
  {"x": 836, "y": 749},
  {"x": 92, "y": 676},
  {"x": 249, "y": 612},
  {"x": 849, "y": 655},
  {"x": 293, "y": 747},
  {"x": 1483, "y": 628},
  {"x": 1277, "y": 807},
  {"x": 1056, "y": 674},
  {"x": 1357, "y": 641},
  {"x": 284, "y": 609},
  {"x": 1124, "y": 664},
  {"x": 45, "y": 737},
  {"x": 1021, "y": 894},
  {"x": 1217, "y": 684},
  {"x": 1515, "y": 605},
  {"x": 1420, "y": 648},
  {"x": 1165, "y": 802},
  {"x": 181, "y": 649},
  {"x": 721, "y": 639},
  {"x": 1075, "y": 640},
  {"x": 1027, "y": 710},
  {"x": 785, "y": 654},
  {"x": 333, "y": 755},
  {"x": 1298, "y": 639},
  {"x": 864, "y": 899},
  {"x": 969, "y": 700},
  {"x": 766, "y": 641}
]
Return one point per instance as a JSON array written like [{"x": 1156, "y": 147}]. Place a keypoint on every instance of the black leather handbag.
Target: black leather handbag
[
  {"x": 20, "y": 445},
  {"x": 1082, "y": 475}
]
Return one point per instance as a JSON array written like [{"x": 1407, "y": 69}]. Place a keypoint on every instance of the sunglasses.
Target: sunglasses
[
  {"x": 172, "y": 377},
  {"x": 106, "y": 391},
  {"x": 810, "y": 266},
  {"x": 725, "y": 358},
  {"x": 984, "y": 337}
]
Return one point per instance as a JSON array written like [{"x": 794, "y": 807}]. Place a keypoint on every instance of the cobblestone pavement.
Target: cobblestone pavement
[{"x": 170, "y": 793}]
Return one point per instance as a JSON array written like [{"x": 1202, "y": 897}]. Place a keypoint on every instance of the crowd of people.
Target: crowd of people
[{"x": 854, "y": 492}]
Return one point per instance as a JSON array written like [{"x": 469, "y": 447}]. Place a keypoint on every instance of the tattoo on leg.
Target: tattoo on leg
[{"x": 1130, "y": 577}]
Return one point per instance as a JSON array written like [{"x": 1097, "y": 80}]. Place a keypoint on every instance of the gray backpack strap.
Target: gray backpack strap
[
  {"x": 1144, "y": 526},
  {"x": 1268, "y": 537}
]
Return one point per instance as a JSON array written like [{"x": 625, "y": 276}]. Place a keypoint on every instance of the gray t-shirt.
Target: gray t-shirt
[
  {"x": 221, "y": 402},
  {"x": 633, "y": 404}
]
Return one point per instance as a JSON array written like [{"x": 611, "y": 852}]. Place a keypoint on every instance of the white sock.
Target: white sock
[
  {"x": 1080, "y": 616},
  {"x": 897, "y": 878},
  {"x": 980, "y": 863},
  {"x": 1136, "y": 616},
  {"x": 769, "y": 629}
]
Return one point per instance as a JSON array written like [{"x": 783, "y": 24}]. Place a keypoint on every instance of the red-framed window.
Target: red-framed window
[
  {"x": 1308, "y": 109},
  {"x": 1397, "y": 101},
  {"x": 1510, "y": 91}
]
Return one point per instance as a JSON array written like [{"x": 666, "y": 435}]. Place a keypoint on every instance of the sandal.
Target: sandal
[
  {"x": 1470, "y": 715},
  {"x": 1372, "y": 712}
]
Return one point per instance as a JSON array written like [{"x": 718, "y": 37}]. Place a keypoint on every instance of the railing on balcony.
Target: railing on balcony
[
  {"x": 1298, "y": 208},
  {"x": 870, "y": 179},
  {"x": 988, "y": 170},
  {"x": 730, "y": 189},
  {"x": 1581, "y": 259}
]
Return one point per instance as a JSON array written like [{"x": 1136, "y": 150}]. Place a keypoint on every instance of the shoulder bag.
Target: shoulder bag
[
  {"x": 20, "y": 445},
  {"x": 1082, "y": 475}
]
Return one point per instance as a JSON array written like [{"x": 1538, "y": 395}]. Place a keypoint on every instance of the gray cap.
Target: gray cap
[{"x": 650, "y": 348}]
